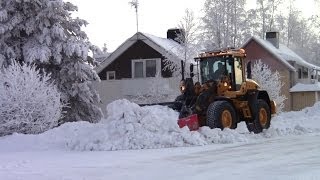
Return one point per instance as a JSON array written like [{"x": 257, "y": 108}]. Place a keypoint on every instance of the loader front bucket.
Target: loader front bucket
[{"x": 191, "y": 122}]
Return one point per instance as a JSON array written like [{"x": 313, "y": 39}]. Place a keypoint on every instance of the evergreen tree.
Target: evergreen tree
[{"x": 44, "y": 33}]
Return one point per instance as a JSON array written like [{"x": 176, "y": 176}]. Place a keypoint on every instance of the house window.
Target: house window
[
  {"x": 138, "y": 69},
  {"x": 305, "y": 73},
  {"x": 151, "y": 68},
  {"x": 111, "y": 75},
  {"x": 142, "y": 68}
]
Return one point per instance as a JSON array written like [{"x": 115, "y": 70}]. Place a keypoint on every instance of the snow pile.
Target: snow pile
[
  {"x": 54, "y": 139},
  {"x": 130, "y": 126},
  {"x": 296, "y": 122}
]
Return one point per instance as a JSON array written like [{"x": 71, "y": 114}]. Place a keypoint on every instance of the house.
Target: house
[
  {"x": 139, "y": 65},
  {"x": 300, "y": 77}
]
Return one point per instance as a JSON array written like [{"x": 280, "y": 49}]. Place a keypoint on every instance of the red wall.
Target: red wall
[{"x": 255, "y": 51}]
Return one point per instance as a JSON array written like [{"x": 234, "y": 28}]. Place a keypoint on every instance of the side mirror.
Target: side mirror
[
  {"x": 249, "y": 75},
  {"x": 191, "y": 70},
  {"x": 231, "y": 61}
]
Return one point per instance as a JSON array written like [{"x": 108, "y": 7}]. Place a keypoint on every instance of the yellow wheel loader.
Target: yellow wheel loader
[{"x": 224, "y": 96}]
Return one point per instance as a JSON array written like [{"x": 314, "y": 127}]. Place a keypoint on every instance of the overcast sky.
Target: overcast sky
[{"x": 114, "y": 21}]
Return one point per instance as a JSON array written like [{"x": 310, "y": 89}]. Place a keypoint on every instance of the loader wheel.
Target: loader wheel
[
  {"x": 221, "y": 114},
  {"x": 263, "y": 118}
]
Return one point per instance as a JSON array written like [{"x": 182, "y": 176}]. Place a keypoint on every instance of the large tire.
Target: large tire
[
  {"x": 262, "y": 118},
  {"x": 221, "y": 114}
]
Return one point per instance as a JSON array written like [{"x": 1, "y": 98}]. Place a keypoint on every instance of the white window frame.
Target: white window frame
[
  {"x": 158, "y": 66},
  {"x": 111, "y": 72}
]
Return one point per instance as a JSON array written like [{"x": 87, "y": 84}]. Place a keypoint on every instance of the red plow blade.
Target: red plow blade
[{"x": 190, "y": 121}]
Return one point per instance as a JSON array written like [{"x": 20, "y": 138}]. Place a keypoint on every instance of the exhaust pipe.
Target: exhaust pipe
[{"x": 182, "y": 70}]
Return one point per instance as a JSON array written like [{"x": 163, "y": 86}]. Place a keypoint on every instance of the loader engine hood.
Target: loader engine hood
[{"x": 252, "y": 85}]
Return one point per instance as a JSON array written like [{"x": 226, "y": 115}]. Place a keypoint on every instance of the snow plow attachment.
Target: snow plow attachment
[{"x": 191, "y": 122}]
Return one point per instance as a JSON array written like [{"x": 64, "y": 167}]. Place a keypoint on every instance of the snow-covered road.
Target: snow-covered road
[{"x": 293, "y": 157}]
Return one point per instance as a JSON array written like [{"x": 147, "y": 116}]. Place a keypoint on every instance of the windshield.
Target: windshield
[{"x": 213, "y": 68}]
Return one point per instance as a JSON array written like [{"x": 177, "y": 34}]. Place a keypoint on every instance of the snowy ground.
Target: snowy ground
[{"x": 288, "y": 150}]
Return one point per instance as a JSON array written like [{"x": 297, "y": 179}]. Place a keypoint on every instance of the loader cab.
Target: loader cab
[{"x": 221, "y": 64}]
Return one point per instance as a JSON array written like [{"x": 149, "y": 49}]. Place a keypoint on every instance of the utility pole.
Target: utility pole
[{"x": 135, "y": 3}]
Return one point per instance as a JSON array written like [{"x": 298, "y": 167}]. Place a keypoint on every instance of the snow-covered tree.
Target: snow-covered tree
[
  {"x": 189, "y": 37},
  {"x": 188, "y": 47},
  {"x": 269, "y": 81},
  {"x": 222, "y": 23},
  {"x": 267, "y": 11},
  {"x": 100, "y": 54},
  {"x": 29, "y": 101},
  {"x": 228, "y": 23},
  {"x": 44, "y": 33}
]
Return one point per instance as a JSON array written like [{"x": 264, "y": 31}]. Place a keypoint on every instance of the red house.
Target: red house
[{"x": 300, "y": 77}]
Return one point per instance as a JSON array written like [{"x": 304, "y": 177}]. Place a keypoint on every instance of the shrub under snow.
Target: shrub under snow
[
  {"x": 269, "y": 81},
  {"x": 29, "y": 103},
  {"x": 45, "y": 33}
]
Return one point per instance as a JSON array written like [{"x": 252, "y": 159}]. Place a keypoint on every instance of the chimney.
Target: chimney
[
  {"x": 176, "y": 35},
  {"x": 273, "y": 38}
]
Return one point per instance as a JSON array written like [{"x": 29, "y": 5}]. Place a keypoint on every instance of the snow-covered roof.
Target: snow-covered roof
[
  {"x": 290, "y": 55},
  {"x": 170, "y": 45},
  {"x": 299, "y": 87},
  {"x": 167, "y": 47},
  {"x": 283, "y": 53}
]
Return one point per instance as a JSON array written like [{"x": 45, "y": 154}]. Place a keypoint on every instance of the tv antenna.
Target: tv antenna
[{"x": 135, "y": 4}]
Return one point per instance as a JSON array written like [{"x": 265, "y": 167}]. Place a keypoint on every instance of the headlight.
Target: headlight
[{"x": 182, "y": 86}]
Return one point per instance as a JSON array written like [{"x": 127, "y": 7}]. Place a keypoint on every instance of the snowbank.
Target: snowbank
[{"x": 129, "y": 126}]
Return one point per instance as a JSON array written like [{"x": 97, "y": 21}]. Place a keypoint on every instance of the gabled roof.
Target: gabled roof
[
  {"x": 167, "y": 47},
  {"x": 283, "y": 53}
]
